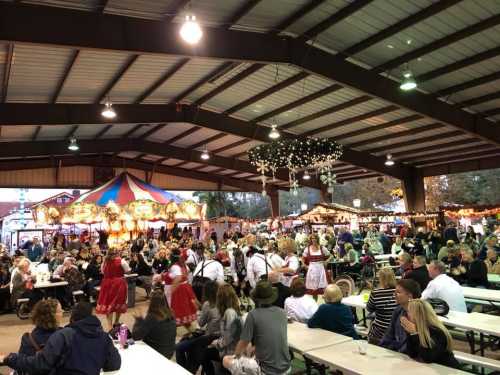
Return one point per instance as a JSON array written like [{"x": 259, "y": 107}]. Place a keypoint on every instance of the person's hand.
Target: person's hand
[
  {"x": 408, "y": 326},
  {"x": 2, "y": 357}
]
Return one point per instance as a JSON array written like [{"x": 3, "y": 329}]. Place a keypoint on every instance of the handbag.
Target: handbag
[
  {"x": 439, "y": 306},
  {"x": 245, "y": 366}
]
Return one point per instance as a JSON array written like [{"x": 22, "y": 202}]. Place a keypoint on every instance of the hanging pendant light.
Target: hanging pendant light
[
  {"x": 108, "y": 111},
  {"x": 191, "y": 31},
  {"x": 306, "y": 176},
  {"x": 73, "y": 146},
  {"x": 389, "y": 162},
  {"x": 408, "y": 82},
  {"x": 205, "y": 155},
  {"x": 274, "y": 133}
]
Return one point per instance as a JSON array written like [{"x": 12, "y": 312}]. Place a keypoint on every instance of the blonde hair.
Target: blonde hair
[
  {"x": 387, "y": 278},
  {"x": 425, "y": 317},
  {"x": 332, "y": 294}
]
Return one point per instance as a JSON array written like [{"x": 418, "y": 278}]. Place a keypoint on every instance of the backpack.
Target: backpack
[
  {"x": 239, "y": 264},
  {"x": 199, "y": 281}
]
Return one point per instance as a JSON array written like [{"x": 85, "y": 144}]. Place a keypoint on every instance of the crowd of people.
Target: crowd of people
[{"x": 234, "y": 295}]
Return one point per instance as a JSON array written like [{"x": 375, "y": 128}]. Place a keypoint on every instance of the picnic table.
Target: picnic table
[{"x": 302, "y": 339}]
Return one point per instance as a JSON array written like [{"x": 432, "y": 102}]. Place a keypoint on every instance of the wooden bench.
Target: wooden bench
[{"x": 477, "y": 360}]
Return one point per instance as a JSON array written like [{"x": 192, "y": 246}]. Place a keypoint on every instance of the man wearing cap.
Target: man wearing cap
[{"x": 266, "y": 328}]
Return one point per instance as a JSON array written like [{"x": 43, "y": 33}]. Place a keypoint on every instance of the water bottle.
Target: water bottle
[{"x": 122, "y": 336}]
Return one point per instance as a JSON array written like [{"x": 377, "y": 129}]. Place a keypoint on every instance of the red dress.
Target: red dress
[
  {"x": 181, "y": 299},
  {"x": 113, "y": 293}
]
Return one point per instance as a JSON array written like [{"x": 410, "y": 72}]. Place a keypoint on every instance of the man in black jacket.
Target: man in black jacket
[
  {"x": 419, "y": 273},
  {"x": 80, "y": 348}
]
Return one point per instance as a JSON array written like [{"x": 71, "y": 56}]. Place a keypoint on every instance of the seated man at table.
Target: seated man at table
[
  {"x": 82, "y": 347},
  {"x": 419, "y": 273},
  {"x": 23, "y": 284},
  {"x": 444, "y": 287},
  {"x": 266, "y": 328},
  {"x": 492, "y": 262},
  {"x": 395, "y": 336},
  {"x": 475, "y": 272},
  {"x": 333, "y": 315}
]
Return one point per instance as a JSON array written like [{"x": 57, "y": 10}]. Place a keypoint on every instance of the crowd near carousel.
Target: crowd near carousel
[{"x": 252, "y": 299}]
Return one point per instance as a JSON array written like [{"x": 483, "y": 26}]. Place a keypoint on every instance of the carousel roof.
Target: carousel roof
[{"x": 124, "y": 189}]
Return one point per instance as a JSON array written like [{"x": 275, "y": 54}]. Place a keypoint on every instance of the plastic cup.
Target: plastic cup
[
  {"x": 366, "y": 297},
  {"x": 362, "y": 346}
]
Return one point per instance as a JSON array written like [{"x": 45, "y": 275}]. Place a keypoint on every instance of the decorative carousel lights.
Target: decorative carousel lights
[
  {"x": 123, "y": 207},
  {"x": 311, "y": 154}
]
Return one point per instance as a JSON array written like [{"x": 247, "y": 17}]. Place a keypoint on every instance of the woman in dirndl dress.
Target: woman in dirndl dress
[
  {"x": 113, "y": 293},
  {"x": 314, "y": 257},
  {"x": 180, "y": 295},
  {"x": 290, "y": 269}
]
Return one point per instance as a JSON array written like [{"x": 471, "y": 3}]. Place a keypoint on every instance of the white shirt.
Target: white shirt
[
  {"x": 256, "y": 267},
  {"x": 291, "y": 261},
  {"x": 275, "y": 261},
  {"x": 300, "y": 309},
  {"x": 447, "y": 289},
  {"x": 213, "y": 270}
]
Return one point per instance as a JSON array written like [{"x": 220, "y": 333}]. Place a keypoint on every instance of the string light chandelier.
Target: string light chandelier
[{"x": 294, "y": 155}]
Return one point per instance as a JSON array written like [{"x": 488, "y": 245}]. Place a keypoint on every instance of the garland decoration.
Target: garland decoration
[{"x": 294, "y": 155}]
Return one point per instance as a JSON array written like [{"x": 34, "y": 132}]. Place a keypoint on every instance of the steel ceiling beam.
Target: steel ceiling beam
[
  {"x": 297, "y": 103},
  {"x": 404, "y": 133},
  {"x": 108, "y": 161},
  {"x": 351, "y": 120},
  {"x": 450, "y": 159},
  {"x": 467, "y": 85},
  {"x": 440, "y": 43},
  {"x": 491, "y": 113},
  {"x": 86, "y": 30},
  {"x": 399, "y": 26},
  {"x": 164, "y": 78},
  {"x": 6, "y": 72},
  {"x": 479, "y": 100},
  {"x": 153, "y": 130},
  {"x": 53, "y": 114},
  {"x": 71, "y": 62},
  {"x": 461, "y": 166},
  {"x": 447, "y": 153},
  {"x": 59, "y": 148},
  {"x": 103, "y": 131},
  {"x": 457, "y": 65},
  {"x": 337, "y": 17},
  {"x": 439, "y": 146},
  {"x": 207, "y": 141},
  {"x": 327, "y": 111},
  {"x": 375, "y": 128},
  {"x": 264, "y": 94},
  {"x": 229, "y": 83},
  {"x": 413, "y": 142},
  {"x": 118, "y": 75}
]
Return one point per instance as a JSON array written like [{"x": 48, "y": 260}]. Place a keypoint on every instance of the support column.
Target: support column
[
  {"x": 275, "y": 202},
  {"x": 414, "y": 191}
]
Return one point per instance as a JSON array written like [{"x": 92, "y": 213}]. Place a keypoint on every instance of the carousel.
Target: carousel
[{"x": 123, "y": 207}]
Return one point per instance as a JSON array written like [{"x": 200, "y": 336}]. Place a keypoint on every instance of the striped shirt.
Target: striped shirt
[{"x": 382, "y": 302}]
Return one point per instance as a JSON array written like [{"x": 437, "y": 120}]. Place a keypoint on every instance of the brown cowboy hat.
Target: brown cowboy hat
[{"x": 264, "y": 293}]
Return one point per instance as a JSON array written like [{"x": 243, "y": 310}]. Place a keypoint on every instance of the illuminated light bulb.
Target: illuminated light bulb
[
  {"x": 190, "y": 30},
  {"x": 306, "y": 175},
  {"x": 408, "y": 83},
  {"x": 73, "y": 146},
  {"x": 205, "y": 155},
  {"x": 108, "y": 111},
  {"x": 389, "y": 162},
  {"x": 274, "y": 133}
]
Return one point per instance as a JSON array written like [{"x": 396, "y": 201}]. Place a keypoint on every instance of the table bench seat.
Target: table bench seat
[{"x": 477, "y": 360}]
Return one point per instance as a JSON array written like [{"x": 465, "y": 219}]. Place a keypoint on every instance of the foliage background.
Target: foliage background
[{"x": 482, "y": 187}]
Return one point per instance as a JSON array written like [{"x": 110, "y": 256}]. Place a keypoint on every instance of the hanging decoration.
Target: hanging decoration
[
  {"x": 294, "y": 155},
  {"x": 397, "y": 193}
]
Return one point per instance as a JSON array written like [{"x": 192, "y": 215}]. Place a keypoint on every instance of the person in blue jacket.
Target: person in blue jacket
[
  {"x": 80, "y": 348},
  {"x": 333, "y": 315}
]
